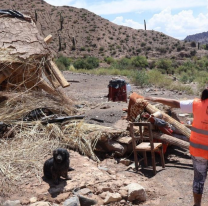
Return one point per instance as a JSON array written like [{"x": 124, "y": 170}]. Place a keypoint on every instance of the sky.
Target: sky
[{"x": 176, "y": 18}]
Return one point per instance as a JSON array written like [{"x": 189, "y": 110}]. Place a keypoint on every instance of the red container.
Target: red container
[{"x": 117, "y": 90}]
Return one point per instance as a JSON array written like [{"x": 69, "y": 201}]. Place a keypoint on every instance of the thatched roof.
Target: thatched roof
[
  {"x": 20, "y": 40},
  {"x": 25, "y": 59}
]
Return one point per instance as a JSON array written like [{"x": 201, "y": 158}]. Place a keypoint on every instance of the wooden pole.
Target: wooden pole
[
  {"x": 169, "y": 139},
  {"x": 57, "y": 73}
]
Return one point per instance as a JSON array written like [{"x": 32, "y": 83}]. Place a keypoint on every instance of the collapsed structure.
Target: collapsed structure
[{"x": 25, "y": 60}]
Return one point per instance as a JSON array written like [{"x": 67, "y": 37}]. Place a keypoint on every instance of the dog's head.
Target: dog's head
[{"x": 60, "y": 155}]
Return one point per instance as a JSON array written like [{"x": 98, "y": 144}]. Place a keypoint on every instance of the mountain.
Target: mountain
[
  {"x": 78, "y": 33},
  {"x": 201, "y": 38}
]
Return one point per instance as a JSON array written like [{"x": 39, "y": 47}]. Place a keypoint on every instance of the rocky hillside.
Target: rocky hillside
[
  {"x": 201, "y": 37},
  {"x": 78, "y": 32}
]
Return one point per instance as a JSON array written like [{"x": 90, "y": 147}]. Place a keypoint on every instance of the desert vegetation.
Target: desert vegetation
[{"x": 166, "y": 73}]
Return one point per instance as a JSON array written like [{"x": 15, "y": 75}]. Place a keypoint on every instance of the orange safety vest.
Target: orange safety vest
[{"x": 199, "y": 130}]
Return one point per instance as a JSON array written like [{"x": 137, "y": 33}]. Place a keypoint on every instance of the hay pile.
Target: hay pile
[{"x": 22, "y": 156}]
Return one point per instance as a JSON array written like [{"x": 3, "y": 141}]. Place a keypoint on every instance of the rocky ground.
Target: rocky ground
[{"x": 108, "y": 182}]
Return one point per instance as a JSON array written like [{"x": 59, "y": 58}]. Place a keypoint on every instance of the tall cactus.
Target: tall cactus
[
  {"x": 60, "y": 43},
  {"x": 74, "y": 43},
  {"x": 36, "y": 16},
  {"x": 61, "y": 21},
  {"x": 144, "y": 25},
  {"x": 198, "y": 45}
]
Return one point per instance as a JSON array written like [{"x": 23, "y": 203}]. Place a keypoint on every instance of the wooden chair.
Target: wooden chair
[{"x": 145, "y": 146}]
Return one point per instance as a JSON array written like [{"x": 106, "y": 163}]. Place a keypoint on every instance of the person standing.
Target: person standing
[{"x": 198, "y": 139}]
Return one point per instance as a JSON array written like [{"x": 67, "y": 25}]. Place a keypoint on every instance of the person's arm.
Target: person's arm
[{"x": 169, "y": 102}]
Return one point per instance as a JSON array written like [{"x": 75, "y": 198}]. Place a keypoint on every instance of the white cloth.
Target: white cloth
[{"x": 186, "y": 106}]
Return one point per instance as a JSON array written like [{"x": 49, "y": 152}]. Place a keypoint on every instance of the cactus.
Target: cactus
[
  {"x": 36, "y": 16},
  {"x": 60, "y": 43},
  {"x": 61, "y": 21},
  {"x": 144, "y": 25},
  {"x": 198, "y": 45},
  {"x": 74, "y": 43}
]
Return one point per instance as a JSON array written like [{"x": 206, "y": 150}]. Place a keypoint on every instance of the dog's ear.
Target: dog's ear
[
  {"x": 55, "y": 152},
  {"x": 67, "y": 154}
]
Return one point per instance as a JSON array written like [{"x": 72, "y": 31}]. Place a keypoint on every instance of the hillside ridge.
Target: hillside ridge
[{"x": 80, "y": 33}]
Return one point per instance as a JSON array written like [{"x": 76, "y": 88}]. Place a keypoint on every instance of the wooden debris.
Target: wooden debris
[
  {"x": 48, "y": 39},
  {"x": 59, "y": 76},
  {"x": 124, "y": 140},
  {"x": 169, "y": 139},
  {"x": 181, "y": 127}
]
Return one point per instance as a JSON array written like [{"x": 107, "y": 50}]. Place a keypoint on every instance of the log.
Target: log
[
  {"x": 48, "y": 39},
  {"x": 169, "y": 139},
  {"x": 181, "y": 127},
  {"x": 46, "y": 87},
  {"x": 57, "y": 73},
  {"x": 51, "y": 77}
]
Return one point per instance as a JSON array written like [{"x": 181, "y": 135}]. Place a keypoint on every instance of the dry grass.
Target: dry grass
[{"x": 22, "y": 156}]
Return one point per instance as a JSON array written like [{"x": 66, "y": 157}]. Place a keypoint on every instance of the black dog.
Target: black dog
[{"x": 57, "y": 166}]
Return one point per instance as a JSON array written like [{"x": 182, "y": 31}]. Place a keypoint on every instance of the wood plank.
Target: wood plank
[
  {"x": 51, "y": 77},
  {"x": 124, "y": 140},
  {"x": 48, "y": 39},
  {"x": 57, "y": 73},
  {"x": 146, "y": 146}
]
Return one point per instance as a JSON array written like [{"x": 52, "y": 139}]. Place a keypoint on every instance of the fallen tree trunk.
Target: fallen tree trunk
[{"x": 169, "y": 139}]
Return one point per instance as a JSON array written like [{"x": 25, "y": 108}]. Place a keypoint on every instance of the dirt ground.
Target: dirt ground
[{"x": 171, "y": 186}]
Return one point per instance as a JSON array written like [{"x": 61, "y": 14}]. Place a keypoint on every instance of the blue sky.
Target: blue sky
[{"x": 176, "y": 18}]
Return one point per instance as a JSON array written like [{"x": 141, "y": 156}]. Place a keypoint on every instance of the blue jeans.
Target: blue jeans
[{"x": 200, "y": 174}]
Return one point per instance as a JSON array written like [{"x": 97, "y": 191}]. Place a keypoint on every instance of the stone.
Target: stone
[
  {"x": 112, "y": 197},
  {"x": 125, "y": 162},
  {"x": 103, "y": 195},
  {"x": 33, "y": 199},
  {"x": 84, "y": 191},
  {"x": 12, "y": 203},
  {"x": 41, "y": 203},
  {"x": 85, "y": 201},
  {"x": 61, "y": 197},
  {"x": 73, "y": 201},
  {"x": 123, "y": 193},
  {"x": 136, "y": 192},
  {"x": 113, "y": 146},
  {"x": 102, "y": 189}
]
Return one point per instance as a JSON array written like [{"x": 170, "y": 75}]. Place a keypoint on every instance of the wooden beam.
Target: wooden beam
[
  {"x": 45, "y": 86},
  {"x": 169, "y": 139},
  {"x": 57, "y": 73},
  {"x": 51, "y": 77},
  {"x": 48, "y": 39}
]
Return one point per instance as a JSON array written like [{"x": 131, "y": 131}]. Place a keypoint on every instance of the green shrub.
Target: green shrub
[
  {"x": 140, "y": 78},
  {"x": 87, "y": 63},
  {"x": 184, "y": 78},
  {"x": 139, "y": 61},
  {"x": 164, "y": 65},
  {"x": 109, "y": 60},
  {"x": 63, "y": 62}
]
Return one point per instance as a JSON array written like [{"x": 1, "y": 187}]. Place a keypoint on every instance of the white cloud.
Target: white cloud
[
  {"x": 179, "y": 25},
  {"x": 125, "y": 6},
  {"x": 128, "y": 22}
]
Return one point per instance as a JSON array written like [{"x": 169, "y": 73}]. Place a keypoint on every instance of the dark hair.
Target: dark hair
[{"x": 204, "y": 94}]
